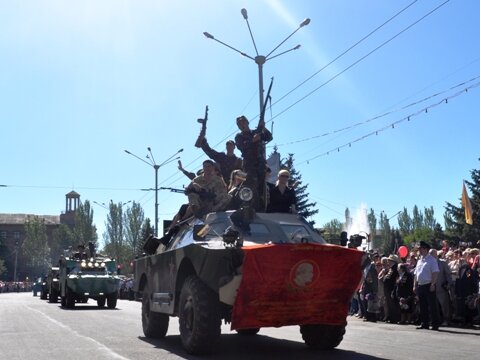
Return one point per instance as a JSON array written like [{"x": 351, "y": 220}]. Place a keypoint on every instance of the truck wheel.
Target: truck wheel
[
  {"x": 154, "y": 324},
  {"x": 53, "y": 298},
  {"x": 101, "y": 302},
  {"x": 199, "y": 317},
  {"x": 112, "y": 301},
  {"x": 324, "y": 337},
  {"x": 70, "y": 299},
  {"x": 63, "y": 301},
  {"x": 253, "y": 331}
]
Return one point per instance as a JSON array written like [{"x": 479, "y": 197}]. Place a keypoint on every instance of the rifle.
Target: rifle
[
  {"x": 201, "y": 136},
  {"x": 261, "y": 121}
]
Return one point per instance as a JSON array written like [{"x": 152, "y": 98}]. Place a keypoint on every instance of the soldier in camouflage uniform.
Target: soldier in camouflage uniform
[{"x": 207, "y": 192}]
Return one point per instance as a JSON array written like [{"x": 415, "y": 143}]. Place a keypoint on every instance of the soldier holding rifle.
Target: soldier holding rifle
[{"x": 250, "y": 142}]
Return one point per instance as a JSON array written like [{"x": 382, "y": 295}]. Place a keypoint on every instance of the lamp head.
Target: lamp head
[
  {"x": 244, "y": 14},
  {"x": 305, "y": 22},
  {"x": 207, "y": 35}
]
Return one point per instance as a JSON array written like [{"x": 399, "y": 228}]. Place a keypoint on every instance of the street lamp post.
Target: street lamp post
[
  {"x": 155, "y": 166},
  {"x": 260, "y": 59}
]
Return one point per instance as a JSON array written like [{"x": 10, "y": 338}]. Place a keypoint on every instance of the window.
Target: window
[
  {"x": 3, "y": 235},
  {"x": 16, "y": 235}
]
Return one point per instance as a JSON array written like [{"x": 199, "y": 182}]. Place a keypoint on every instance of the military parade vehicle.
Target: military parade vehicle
[
  {"x": 251, "y": 270},
  {"x": 52, "y": 285},
  {"x": 82, "y": 277},
  {"x": 44, "y": 289}
]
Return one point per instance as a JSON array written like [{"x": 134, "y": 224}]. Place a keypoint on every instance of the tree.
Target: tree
[
  {"x": 372, "y": 223},
  {"x": 113, "y": 236},
  {"x": 134, "y": 219},
  {"x": 304, "y": 207},
  {"x": 332, "y": 230},
  {"x": 2, "y": 267},
  {"x": 385, "y": 243},
  {"x": 405, "y": 222},
  {"x": 63, "y": 239},
  {"x": 84, "y": 231},
  {"x": 457, "y": 230},
  {"x": 417, "y": 221},
  {"x": 35, "y": 246},
  {"x": 429, "y": 218}
]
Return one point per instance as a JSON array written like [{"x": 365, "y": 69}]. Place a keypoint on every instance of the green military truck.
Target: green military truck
[
  {"x": 249, "y": 270},
  {"x": 53, "y": 285},
  {"x": 82, "y": 277}
]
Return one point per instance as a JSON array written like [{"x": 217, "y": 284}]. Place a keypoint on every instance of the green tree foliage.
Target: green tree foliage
[
  {"x": 385, "y": 243},
  {"x": 372, "y": 223},
  {"x": 63, "y": 239},
  {"x": 35, "y": 246},
  {"x": 405, "y": 222},
  {"x": 85, "y": 231},
  {"x": 417, "y": 220},
  {"x": 457, "y": 230},
  {"x": 3, "y": 269},
  {"x": 134, "y": 219},
  {"x": 113, "y": 237},
  {"x": 304, "y": 207},
  {"x": 429, "y": 220},
  {"x": 331, "y": 231},
  {"x": 147, "y": 230}
]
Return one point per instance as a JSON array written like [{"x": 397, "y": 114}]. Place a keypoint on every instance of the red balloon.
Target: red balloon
[{"x": 402, "y": 251}]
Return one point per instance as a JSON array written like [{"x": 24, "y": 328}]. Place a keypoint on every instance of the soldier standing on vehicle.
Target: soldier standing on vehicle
[
  {"x": 207, "y": 192},
  {"x": 250, "y": 143},
  {"x": 228, "y": 161}
]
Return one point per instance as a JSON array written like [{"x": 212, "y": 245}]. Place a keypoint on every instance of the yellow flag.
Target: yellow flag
[{"x": 467, "y": 205}]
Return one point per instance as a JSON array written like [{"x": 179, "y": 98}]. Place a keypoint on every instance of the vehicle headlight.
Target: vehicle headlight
[
  {"x": 90, "y": 264},
  {"x": 96, "y": 264},
  {"x": 102, "y": 264},
  {"x": 83, "y": 264},
  {"x": 245, "y": 194}
]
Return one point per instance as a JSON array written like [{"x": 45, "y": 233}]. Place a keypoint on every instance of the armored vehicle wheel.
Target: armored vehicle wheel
[
  {"x": 112, "y": 301},
  {"x": 253, "y": 331},
  {"x": 101, "y": 302},
  {"x": 43, "y": 295},
  {"x": 155, "y": 325},
  {"x": 53, "y": 297},
  {"x": 199, "y": 318},
  {"x": 63, "y": 301},
  {"x": 70, "y": 299},
  {"x": 324, "y": 337}
]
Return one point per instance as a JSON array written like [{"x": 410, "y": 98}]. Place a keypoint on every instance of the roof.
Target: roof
[{"x": 20, "y": 219}]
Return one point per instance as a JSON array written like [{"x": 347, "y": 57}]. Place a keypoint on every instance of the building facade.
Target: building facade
[{"x": 13, "y": 234}]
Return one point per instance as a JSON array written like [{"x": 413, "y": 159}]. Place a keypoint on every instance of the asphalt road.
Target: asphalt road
[{"x": 31, "y": 328}]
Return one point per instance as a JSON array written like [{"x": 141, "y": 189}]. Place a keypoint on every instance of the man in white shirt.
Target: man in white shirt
[{"x": 425, "y": 282}]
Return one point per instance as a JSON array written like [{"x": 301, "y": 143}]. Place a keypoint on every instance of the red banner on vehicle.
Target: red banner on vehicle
[{"x": 296, "y": 284}]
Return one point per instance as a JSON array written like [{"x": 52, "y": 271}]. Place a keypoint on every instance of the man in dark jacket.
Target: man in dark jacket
[{"x": 250, "y": 143}]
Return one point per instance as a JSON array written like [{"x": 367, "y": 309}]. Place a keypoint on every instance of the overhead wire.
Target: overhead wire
[
  {"x": 392, "y": 125},
  {"x": 376, "y": 117},
  {"x": 359, "y": 60}
]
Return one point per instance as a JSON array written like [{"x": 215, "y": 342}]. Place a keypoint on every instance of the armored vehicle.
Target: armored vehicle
[
  {"x": 44, "y": 289},
  {"x": 250, "y": 270},
  {"x": 52, "y": 285},
  {"x": 82, "y": 277}
]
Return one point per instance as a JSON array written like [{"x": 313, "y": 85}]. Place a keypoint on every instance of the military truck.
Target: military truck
[
  {"x": 82, "y": 277},
  {"x": 251, "y": 270},
  {"x": 53, "y": 286}
]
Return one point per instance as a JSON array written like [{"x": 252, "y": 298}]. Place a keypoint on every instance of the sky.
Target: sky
[{"x": 380, "y": 104}]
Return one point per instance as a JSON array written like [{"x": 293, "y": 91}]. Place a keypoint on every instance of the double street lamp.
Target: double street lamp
[
  {"x": 151, "y": 162},
  {"x": 260, "y": 59}
]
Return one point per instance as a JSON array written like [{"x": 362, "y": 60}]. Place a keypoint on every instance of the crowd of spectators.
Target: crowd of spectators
[
  {"x": 15, "y": 286},
  {"x": 387, "y": 292}
]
